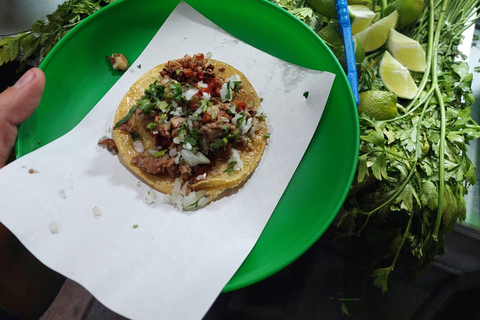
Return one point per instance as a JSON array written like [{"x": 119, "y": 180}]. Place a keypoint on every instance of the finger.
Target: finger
[{"x": 17, "y": 103}]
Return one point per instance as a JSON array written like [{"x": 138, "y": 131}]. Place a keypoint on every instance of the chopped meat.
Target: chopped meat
[
  {"x": 118, "y": 61},
  {"x": 216, "y": 129},
  {"x": 153, "y": 165},
  {"x": 177, "y": 121},
  {"x": 144, "y": 118},
  {"x": 161, "y": 140},
  {"x": 128, "y": 126},
  {"x": 185, "y": 168},
  {"x": 109, "y": 144},
  {"x": 188, "y": 92},
  {"x": 165, "y": 128}
]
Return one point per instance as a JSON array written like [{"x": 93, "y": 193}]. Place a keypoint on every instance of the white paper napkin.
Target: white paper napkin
[{"x": 83, "y": 214}]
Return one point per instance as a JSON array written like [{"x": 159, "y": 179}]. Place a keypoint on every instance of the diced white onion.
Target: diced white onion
[
  {"x": 172, "y": 152},
  {"x": 177, "y": 158},
  {"x": 224, "y": 92},
  {"x": 236, "y": 157},
  {"x": 260, "y": 112},
  {"x": 188, "y": 146},
  {"x": 202, "y": 176},
  {"x": 190, "y": 122},
  {"x": 246, "y": 126},
  {"x": 194, "y": 200},
  {"x": 202, "y": 84},
  {"x": 53, "y": 227},
  {"x": 97, "y": 212},
  {"x": 232, "y": 108},
  {"x": 188, "y": 94},
  {"x": 206, "y": 96},
  {"x": 194, "y": 158},
  {"x": 181, "y": 201},
  {"x": 138, "y": 146},
  {"x": 177, "y": 112},
  {"x": 236, "y": 118},
  {"x": 151, "y": 196},
  {"x": 233, "y": 78}
]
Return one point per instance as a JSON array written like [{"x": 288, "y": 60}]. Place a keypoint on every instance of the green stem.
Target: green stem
[
  {"x": 384, "y": 5},
  {"x": 395, "y": 155},
  {"x": 405, "y": 182},
  {"x": 441, "y": 147},
  {"x": 405, "y": 235}
]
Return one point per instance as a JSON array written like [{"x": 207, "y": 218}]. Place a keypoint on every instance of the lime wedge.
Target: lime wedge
[
  {"x": 359, "y": 51},
  {"x": 406, "y": 50},
  {"x": 376, "y": 34},
  {"x": 361, "y": 17},
  {"x": 396, "y": 77}
]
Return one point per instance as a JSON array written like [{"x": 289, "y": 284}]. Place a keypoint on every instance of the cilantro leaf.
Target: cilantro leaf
[{"x": 126, "y": 118}]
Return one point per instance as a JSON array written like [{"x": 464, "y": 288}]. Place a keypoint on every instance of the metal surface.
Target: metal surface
[{"x": 18, "y": 15}]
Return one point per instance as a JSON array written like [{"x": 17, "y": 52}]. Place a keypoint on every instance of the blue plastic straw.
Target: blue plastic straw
[{"x": 346, "y": 31}]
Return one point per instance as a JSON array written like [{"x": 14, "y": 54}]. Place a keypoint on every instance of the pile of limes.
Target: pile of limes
[{"x": 378, "y": 30}]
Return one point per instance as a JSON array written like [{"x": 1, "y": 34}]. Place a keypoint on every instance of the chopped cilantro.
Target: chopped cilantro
[
  {"x": 160, "y": 153},
  {"x": 195, "y": 132},
  {"x": 162, "y": 118},
  {"x": 176, "y": 88},
  {"x": 145, "y": 105},
  {"x": 135, "y": 135},
  {"x": 219, "y": 143},
  {"x": 236, "y": 85},
  {"x": 126, "y": 118},
  {"x": 230, "y": 168},
  {"x": 191, "y": 140},
  {"x": 151, "y": 125},
  {"x": 305, "y": 94}
]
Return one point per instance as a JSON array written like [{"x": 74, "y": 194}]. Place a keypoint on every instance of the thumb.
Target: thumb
[{"x": 17, "y": 103}]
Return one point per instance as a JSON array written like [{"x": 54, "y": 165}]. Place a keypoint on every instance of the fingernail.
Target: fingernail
[{"x": 25, "y": 79}]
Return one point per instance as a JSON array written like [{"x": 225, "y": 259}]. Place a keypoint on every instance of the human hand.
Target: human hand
[
  {"x": 17, "y": 103},
  {"x": 27, "y": 287}
]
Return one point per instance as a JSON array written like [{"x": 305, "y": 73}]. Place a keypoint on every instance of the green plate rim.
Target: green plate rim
[{"x": 234, "y": 283}]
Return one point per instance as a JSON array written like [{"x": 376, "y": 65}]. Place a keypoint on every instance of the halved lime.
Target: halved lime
[
  {"x": 364, "y": 2},
  {"x": 331, "y": 34},
  {"x": 361, "y": 17},
  {"x": 376, "y": 34},
  {"x": 408, "y": 11},
  {"x": 396, "y": 77},
  {"x": 326, "y": 8},
  {"x": 407, "y": 51},
  {"x": 379, "y": 105}
]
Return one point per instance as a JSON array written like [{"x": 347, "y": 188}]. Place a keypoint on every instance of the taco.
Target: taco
[{"x": 192, "y": 128}]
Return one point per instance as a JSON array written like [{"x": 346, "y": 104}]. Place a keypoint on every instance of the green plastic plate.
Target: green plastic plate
[{"x": 77, "y": 79}]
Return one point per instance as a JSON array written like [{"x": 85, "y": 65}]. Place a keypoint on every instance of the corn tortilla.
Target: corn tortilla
[{"x": 218, "y": 179}]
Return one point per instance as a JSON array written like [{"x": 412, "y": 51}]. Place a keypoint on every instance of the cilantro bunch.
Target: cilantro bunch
[
  {"x": 413, "y": 171},
  {"x": 34, "y": 45}
]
